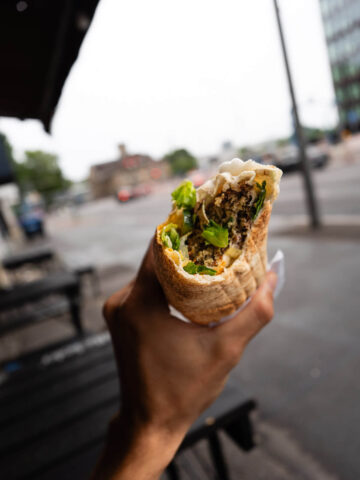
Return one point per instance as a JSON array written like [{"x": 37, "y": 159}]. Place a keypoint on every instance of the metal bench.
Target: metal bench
[
  {"x": 45, "y": 258},
  {"x": 66, "y": 284},
  {"x": 55, "y": 408},
  {"x": 34, "y": 257}
]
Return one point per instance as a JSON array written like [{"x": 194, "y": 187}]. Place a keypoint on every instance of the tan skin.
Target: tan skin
[{"x": 171, "y": 371}]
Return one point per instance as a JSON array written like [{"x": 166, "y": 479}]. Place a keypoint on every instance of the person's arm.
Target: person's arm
[
  {"x": 136, "y": 452},
  {"x": 170, "y": 372}
]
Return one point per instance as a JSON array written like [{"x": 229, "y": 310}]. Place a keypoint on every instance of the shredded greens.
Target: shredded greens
[
  {"x": 216, "y": 234},
  {"x": 188, "y": 221},
  {"x": 170, "y": 236},
  {"x": 185, "y": 195},
  {"x": 260, "y": 200},
  {"x": 191, "y": 268},
  {"x": 175, "y": 236}
]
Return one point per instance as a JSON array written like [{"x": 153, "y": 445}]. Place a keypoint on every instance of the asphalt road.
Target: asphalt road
[{"x": 304, "y": 367}]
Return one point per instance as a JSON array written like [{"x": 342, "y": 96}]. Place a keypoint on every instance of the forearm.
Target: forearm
[{"x": 141, "y": 453}]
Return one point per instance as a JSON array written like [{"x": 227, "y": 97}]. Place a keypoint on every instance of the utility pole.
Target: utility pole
[{"x": 312, "y": 205}]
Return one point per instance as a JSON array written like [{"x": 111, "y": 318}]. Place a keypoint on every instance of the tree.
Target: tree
[
  {"x": 282, "y": 142},
  {"x": 7, "y": 147},
  {"x": 40, "y": 171},
  {"x": 181, "y": 161},
  {"x": 245, "y": 153},
  {"x": 313, "y": 135}
]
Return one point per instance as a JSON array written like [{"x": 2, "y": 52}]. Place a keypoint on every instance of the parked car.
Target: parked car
[
  {"x": 141, "y": 190},
  {"x": 288, "y": 159},
  {"x": 197, "y": 177},
  {"x": 128, "y": 193},
  {"x": 31, "y": 219},
  {"x": 124, "y": 194}
]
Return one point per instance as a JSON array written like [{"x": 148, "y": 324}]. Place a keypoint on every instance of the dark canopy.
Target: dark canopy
[{"x": 39, "y": 42}]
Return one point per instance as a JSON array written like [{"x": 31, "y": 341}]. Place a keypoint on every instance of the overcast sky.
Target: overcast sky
[{"x": 160, "y": 75}]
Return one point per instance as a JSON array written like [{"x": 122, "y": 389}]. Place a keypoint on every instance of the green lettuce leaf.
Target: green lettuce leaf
[
  {"x": 201, "y": 269},
  {"x": 188, "y": 221},
  {"x": 260, "y": 200},
  {"x": 185, "y": 195},
  {"x": 170, "y": 237},
  {"x": 216, "y": 235}
]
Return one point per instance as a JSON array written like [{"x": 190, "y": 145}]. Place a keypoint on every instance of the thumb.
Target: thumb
[{"x": 258, "y": 312}]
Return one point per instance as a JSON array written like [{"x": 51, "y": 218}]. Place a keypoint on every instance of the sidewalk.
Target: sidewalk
[{"x": 303, "y": 368}]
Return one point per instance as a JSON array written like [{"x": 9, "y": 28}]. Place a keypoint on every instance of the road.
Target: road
[{"x": 304, "y": 367}]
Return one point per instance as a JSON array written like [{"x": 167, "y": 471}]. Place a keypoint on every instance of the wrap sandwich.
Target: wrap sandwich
[{"x": 211, "y": 253}]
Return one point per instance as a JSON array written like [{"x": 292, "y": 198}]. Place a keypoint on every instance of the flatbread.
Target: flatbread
[{"x": 205, "y": 299}]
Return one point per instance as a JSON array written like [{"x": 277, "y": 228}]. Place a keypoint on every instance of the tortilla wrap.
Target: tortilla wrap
[{"x": 205, "y": 299}]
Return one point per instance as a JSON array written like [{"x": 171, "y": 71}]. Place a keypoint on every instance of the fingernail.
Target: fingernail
[{"x": 272, "y": 281}]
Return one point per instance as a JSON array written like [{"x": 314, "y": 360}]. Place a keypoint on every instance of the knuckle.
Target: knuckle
[
  {"x": 110, "y": 307},
  {"x": 264, "y": 309},
  {"x": 232, "y": 354},
  {"x": 106, "y": 310},
  {"x": 227, "y": 352}
]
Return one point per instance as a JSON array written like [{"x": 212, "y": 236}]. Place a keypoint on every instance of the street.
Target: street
[{"x": 303, "y": 368}]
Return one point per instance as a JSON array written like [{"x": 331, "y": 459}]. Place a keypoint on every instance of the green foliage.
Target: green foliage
[
  {"x": 244, "y": 153},
  {"x": 282, "y": 142},
  {"x": 181, "y": 161},
  {"x": 216, "y": 235},
  {"x": 40, "y": 171},
  {"x": 260, "y": 200},
  {"x": 188, "y": 221},
  {"x": 193, "y": 269},
  {"x": 170, "y": 236},
  {"x": 8, "y": 148},
  {"x": 185, "y": 195},
  {"x": 314, "y": 135}
]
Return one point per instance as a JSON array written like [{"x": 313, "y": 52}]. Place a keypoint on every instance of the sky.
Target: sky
[{"x": 162, "y": 75}]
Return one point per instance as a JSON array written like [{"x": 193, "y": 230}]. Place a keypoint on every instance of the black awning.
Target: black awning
[{"x": 39, "y": 42}]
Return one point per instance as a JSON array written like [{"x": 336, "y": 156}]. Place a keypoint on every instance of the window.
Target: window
[
  {"x": 336, "y": 74},
  {"x": 355, "y": 91},
  {"x": 340, "y": 95}
]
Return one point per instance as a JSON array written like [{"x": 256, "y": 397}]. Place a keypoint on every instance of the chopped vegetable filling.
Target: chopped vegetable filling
[
  {"x": 191, "y": 268},
  {"x": 207, "y": 233},
  {"x": 230, "y": 218},
  {"x": 170, "y": 236}
]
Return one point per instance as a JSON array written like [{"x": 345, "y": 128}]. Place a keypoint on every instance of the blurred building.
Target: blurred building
[
  {"x": 341, "y": 20},
  {"x": 127, "y": 171}
]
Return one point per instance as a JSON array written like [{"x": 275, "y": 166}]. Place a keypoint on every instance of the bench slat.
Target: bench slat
[
  {"x": 25, "y": 380},
  {"x": 57, "y": 392},
  {"x": 29, "y": 292},
  {"x": 55, "y": 418},
  {"x": 56, "y": 449},
  {"x": 78, "y": 467},
  {"x": 35, "y": 256},
  {"x": 38, "y": 315}
]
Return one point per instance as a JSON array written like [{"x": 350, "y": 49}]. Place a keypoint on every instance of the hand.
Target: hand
[{"x": 170, "y": 371}]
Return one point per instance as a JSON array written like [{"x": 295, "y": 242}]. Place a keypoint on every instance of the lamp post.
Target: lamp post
[{"x": 312, "y": 205}]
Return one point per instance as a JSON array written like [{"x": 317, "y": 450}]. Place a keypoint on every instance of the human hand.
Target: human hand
[{"x": 170, "y": 371}]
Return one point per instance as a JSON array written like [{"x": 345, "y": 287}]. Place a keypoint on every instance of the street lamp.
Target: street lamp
[{"x": 312, "y": 205}]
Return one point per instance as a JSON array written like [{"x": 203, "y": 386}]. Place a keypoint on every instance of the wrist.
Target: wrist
[{"x": 142, "y": 450}]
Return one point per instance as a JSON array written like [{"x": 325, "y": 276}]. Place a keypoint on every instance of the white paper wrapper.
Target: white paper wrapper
[{"x": 276, "y": 265}]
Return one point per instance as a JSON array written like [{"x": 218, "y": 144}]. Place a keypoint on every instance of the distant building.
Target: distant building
[
  {"x": 341, "y": 20},
  {"x": 108, "y": 178}
]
